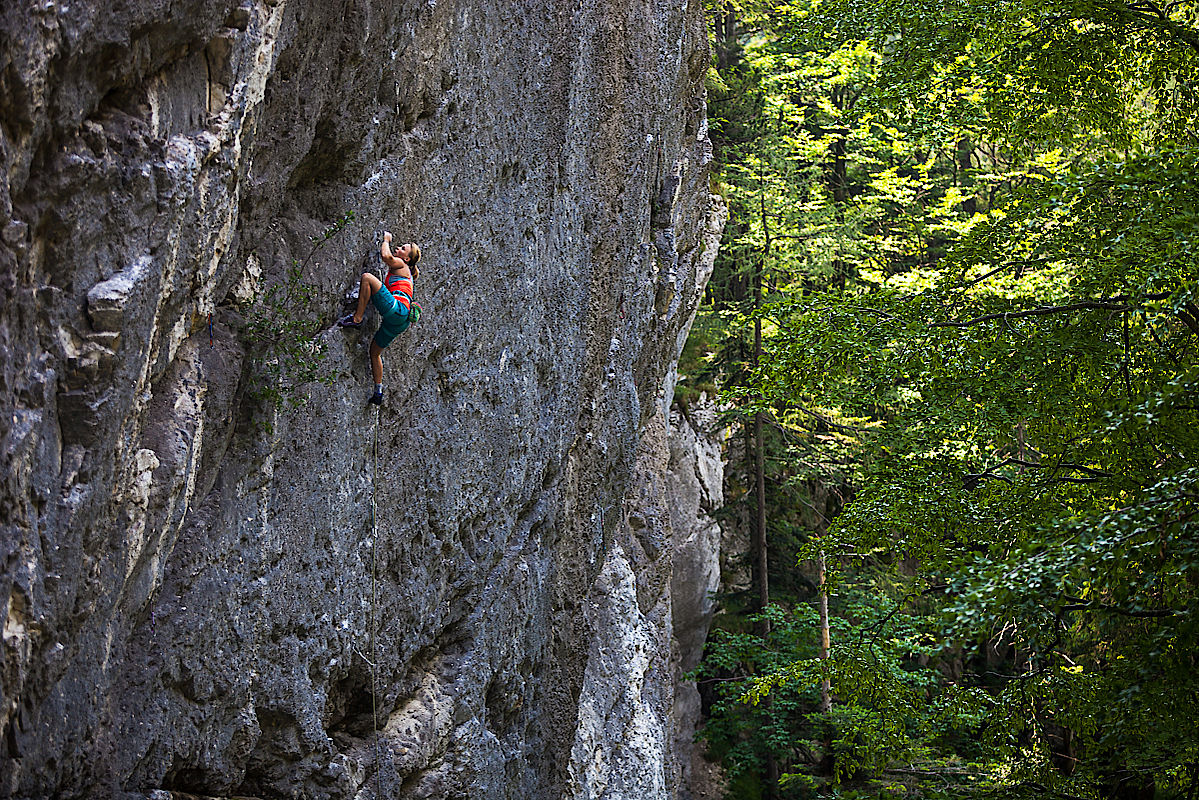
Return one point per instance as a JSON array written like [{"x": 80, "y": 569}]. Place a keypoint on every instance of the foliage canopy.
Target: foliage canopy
[{"x": 978, "y": 222}]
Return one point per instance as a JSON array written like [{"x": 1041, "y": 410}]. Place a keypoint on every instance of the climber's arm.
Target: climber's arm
[{"x": 385, "y": 250}]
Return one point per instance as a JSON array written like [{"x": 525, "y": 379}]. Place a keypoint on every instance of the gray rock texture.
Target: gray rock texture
[
  {"x": 192, "y": 559},
  {"x": 695, "y": 482}
]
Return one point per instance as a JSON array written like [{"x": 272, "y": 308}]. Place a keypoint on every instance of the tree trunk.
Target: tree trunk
[
  {"x": 772, "y": 767},
  {"x": 839, "y": 187},
  {"x": 726, "y": 38},
  {"x": 760, "y": 527},
  {"x": 759, "y": 445},
  {"x": 965, "y": 181},
  {"x": 826, "y": 701}
]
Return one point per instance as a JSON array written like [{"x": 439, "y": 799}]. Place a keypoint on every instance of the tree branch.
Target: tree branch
[
  {"x": 1189, "y": 314},
  {"x": 1149, "y": 16},
  {"x": 1117, "y": 303},
  {"x": 825, "y": 420},
  {"x": 1079, "y": 604},
  {"x": 970, "y": 480}
]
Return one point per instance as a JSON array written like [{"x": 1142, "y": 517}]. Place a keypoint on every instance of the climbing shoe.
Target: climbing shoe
[
  {"x": 376, "y": 399},
  {"x": 348, "y": 322}
]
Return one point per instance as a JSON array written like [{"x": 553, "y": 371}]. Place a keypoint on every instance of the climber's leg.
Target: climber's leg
[
  {"x": 377, "y": 363},
  {"x": 369, "y": 285}
]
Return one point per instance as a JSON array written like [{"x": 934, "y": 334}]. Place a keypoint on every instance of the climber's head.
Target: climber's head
[{"x": 409, "y": 253}]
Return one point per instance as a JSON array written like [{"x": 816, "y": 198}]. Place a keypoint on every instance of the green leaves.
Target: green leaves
[
  {"x": 283, "y": 330},
  {"x": 978, "y": 222},
  {"x": 979, "y": 226},
  {"x": 1064, "y": 71}
]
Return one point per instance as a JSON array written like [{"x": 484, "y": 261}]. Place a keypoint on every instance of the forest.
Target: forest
[{"x": 954, "y": 329}]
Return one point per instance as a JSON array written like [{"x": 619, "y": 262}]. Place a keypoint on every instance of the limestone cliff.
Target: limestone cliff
[{"x": 188, "y": 566}]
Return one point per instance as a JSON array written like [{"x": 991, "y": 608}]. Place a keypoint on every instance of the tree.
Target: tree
[
  {"x": 1024, "y": 404},
  {"x": 982, "y": 321}
]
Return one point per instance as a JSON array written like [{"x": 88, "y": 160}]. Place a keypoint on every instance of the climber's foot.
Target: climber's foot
[{"x": 376, "y": 399}]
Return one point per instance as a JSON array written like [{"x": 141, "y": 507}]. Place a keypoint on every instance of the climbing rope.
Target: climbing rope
[{"x": 375, "y": 605}]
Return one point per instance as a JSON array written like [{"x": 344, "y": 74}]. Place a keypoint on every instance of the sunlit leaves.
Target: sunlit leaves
[{"x": 979, "y": 223}]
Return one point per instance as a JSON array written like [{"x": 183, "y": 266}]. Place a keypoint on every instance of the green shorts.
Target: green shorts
[{"x": 393, "y": 315}]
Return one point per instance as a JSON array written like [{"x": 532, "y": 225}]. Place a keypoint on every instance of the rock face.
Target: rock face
[
  {"x": 695, "y": 481},
  {"x": 650, "y": 610},
  {"x": 191, "y": 565}
]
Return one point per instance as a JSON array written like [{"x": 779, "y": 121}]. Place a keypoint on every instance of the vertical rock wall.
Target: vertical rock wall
[
  {"x": 695, "y": 481},
  {"x": 649, "y": 613},
  {"x": 189, "y": 572}
]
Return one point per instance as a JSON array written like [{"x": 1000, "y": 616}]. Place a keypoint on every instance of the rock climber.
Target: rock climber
[{"x": 392, "y": 298}]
